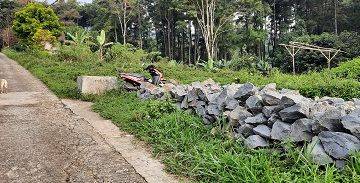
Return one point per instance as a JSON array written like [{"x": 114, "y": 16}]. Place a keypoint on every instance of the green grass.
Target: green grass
[
  {"x": 187, "y": 147},
  {"x": 61, "y": 76},
  {"x": 181, "y": 141}
]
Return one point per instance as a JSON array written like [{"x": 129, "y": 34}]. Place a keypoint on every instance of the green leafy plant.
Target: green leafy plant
[
  {"x": 263, "y": 66},
  {"x": 222, "y": 63},
  {"x": 75, "y": 53},
  {"x": 41, "y": 37},
  {"x": 79, "y": 37},
  {"x": 208, "y": 65},
  {"x": 102, "y": 44},
  {"x": 32, "y": 18}
]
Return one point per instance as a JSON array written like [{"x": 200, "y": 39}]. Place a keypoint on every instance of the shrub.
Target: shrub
[
  {"x": 154, "y": 56},
  {"x": 73, "y": 53},
  {"x": 350, "y": 43},
  {"x": 349, "y": 70},
  {"x": 242, "y": 62},
  {"x": 42, "y": 36},
  {"x": 32, "y": 18},
  {"x": 126, "y": 54}
]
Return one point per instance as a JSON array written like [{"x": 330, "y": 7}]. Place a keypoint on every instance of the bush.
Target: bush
[
  {"x": 42, "y": 36},
  {"x": 350, "y": 43},
  {"x": 74, "y": 53},
  {"x": 242, "y": 62},
  {"x": 32, "y": 18},
  {"x": 126, "y": 54},
  {"x": 154, "y": 56},
  {"x": 349, "y": 70}
]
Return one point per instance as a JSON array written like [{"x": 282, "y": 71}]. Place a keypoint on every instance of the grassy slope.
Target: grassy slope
[
  {"x": 185, "y": 145},
  {"x": 188, "y": 148},
  {"x": 61, "y": 76}
]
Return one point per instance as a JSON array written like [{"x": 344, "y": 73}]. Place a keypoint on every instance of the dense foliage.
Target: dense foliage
[
  {"x": 240, "y": 29},
  {"x": 193, "y": 40},
  {"x": 35, "y": 22},
  {"x": 72, "y": 61},
  {"x": 184, "y": 144}
]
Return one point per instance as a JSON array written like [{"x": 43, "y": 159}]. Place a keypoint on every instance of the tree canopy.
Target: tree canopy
[{"x": 35, "y": 17}]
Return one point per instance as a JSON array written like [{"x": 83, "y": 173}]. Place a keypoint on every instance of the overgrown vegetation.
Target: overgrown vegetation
[
  {"x": 72, "y": 61},
  {"x": 36, "y": 24},
  {"x": 187, "y": 147},
  {"x": 184, "y": 51}
]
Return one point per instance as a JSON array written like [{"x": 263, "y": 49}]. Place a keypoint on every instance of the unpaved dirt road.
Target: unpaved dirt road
[{"x": 41, "y": 141}]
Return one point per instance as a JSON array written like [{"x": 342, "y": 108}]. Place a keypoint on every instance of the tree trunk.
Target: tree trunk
[
  {"x": 196, "y": 45},
  {"x": 335, "y": 17},
  {"x": 169, "y": 38},
  {"x": 139, "y": 31},
  {"x": 190, "y": 43},
  {"x": 125, "y": 25},
  {"x": 116, "y": 36}
]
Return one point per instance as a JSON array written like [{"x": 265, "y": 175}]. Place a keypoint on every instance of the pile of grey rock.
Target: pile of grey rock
[{"x": 262, "y": 116}]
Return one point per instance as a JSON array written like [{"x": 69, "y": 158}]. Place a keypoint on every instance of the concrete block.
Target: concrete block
[{"x": 96, "y": 84}]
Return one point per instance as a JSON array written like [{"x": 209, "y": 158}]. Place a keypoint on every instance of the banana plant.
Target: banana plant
[
  {"x": 102, "y": 44},
  {"x": 78, "y": 38}
]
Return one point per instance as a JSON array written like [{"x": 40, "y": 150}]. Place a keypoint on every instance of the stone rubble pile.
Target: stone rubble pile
[{"x": 261, "y": 116}]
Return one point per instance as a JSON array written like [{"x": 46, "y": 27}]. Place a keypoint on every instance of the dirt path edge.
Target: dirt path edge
[{"x": 133, "y": 150}]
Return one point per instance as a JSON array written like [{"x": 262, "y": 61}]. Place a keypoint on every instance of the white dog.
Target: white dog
[{"x": 3, "y": 86}]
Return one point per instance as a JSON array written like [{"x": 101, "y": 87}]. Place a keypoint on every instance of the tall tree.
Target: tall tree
[
  {"x": 211, "y": 16},
  {"x": 67, "y": 10}
]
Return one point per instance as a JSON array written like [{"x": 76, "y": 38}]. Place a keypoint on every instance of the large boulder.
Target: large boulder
[
  {"x": 185, "y": 103},
  {"x": 301, "y": 130},
  {"x": 347, "y": 107},
  {"x": 316, "y": 150},
  {"x": 339, "y": 145},
  {"x": 168, "y": 87},
  {"x": 245, "y": 130},
  {"x": 211, "y": 97},
  {"x": 255, "y": 141},
  {"x": 208, "y": 119},
  {"x": 178, "y": 92},
  {"x": 245, "y": 91},
  {"x": 271, "y": 97},
  {"x": 356, "y": 102},
  {"x": 258, "y": 119},
  {"x": 289, "y": 100},
  {"x": 231, "y": 89},
  {"x": 294, "y": 112},
  {"x": 254, "y": 104},
  {"x": 213, "y": 109},
  {"x": 352, "y": 122},
  {"x": 289, "y": 92},
  {"x": 263, "y": 131},
  {"x": 96, "y": 85},
  {"x": 269, "y": 110},
  {"x": 268, "y": 87},
  {"x": 319, "y": 108},
  {"x": 200, "y": 110},
  {"x": 280, "y": 131},
  {"x": 332, "y": 100},
  {"x": 196, "y": 103},
  {"x": 231, "y": 103},
  {"x": 329, "y": 120},
  {"x": 238, "y": 114},
  {"x": 211, "y": 85}
]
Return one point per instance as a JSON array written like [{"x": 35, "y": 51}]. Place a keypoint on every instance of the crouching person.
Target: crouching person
[{"x": 156, "y": 75}]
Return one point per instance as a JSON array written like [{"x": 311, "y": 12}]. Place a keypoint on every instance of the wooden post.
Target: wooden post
[
  {"x": 326, "y": 52},
  {"x": 329, "y": 60},
  {"x": 293, "y": 59}
]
